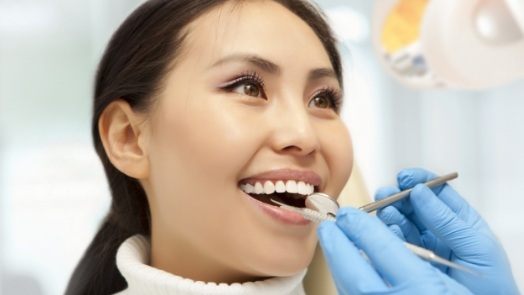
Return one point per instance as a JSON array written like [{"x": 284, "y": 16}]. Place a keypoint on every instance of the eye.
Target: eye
[
  {"x": 327, "y": 98},
  {"x": 248, "y": 84},
  {"x": 248, "y": 88}
]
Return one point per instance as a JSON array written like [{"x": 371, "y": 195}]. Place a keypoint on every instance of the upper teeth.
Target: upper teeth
[{"x": 279, "y": 186}]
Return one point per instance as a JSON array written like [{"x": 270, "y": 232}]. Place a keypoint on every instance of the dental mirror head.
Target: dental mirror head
[{"x": 323, "y": 203}]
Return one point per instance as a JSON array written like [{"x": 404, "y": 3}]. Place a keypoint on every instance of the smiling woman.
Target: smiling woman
[{"x": 200, "y": 108}]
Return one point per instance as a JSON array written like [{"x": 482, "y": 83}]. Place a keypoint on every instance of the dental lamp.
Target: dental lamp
[{"x": 455, "y": 44}]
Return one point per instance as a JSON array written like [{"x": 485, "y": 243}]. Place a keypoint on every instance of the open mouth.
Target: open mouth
[
  {"x": 295, "y": 200},
  {"x": 292, "y": 193}
]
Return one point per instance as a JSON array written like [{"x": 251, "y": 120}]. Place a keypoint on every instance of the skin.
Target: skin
[{"x": 198, "y": 141}]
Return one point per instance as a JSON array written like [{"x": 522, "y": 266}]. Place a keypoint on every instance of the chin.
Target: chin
[{"x": 282, "y": 265}]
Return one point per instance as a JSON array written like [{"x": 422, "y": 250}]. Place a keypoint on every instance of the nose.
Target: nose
[{"x": 294, "y": 132}]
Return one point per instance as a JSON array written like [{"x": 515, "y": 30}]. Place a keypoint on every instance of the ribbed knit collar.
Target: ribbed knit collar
[{"x": 132, "y": 261}]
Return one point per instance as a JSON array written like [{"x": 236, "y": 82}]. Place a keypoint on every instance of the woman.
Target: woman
[
  {"x": 206, "y": 110},
  {"x": 198, "y": 105}
]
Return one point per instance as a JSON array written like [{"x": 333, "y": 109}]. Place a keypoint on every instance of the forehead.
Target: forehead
[{"x": 264, "y": 28}]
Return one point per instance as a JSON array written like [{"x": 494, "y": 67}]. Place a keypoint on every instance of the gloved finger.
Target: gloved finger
[
  {"x": 453, "y": 284},
  {"x": 350, "y": 271},
  {"x": 397, "y": 231},
  {"x": 403, "y": 206},
  {"x": 395, "y": 263},
  {"x": 444, "y": 223},
  {"x": 408, "y": 178},
  {"x": 446, "y": 193},
  {"x": 390, "y": 215},
  {"x": 449, "y": 196},
  {"x": 387, "y": 191}
]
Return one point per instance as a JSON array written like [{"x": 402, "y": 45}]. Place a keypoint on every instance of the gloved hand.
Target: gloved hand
[
  {"x": 440, "y": 220},
  {"x": 391, "y": 269}
]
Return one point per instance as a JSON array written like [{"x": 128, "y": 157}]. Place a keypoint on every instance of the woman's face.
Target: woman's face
[{"x": 247, "y": 95}]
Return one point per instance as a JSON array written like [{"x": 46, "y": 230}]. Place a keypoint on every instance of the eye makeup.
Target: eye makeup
[
  {"x": 333, "y": 95},
  {"x": 245, "y": 78}
]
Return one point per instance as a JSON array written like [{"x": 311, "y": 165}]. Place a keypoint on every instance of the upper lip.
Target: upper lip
[{"x": 309, "y": 177}]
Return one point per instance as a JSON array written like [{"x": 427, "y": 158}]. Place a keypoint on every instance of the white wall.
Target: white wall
[{"x": 53, "y": 190}]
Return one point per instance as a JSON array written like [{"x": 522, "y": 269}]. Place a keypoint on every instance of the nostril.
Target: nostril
[{"x": 301, "y": 148}]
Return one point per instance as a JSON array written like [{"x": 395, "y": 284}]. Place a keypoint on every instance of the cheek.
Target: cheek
[
  {"x": 339, "y": 156},
  {"x": 198, "y": 148},
  {"x": 202, "y": 134}
]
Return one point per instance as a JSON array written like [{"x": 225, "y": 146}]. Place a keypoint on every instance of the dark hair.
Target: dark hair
[{"x": 132, "y": 68}]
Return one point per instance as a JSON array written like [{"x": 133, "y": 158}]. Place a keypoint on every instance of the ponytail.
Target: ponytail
[{"x": 97, "y": 273}]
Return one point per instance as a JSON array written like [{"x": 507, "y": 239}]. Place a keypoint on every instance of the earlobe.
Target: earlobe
[{"x": 122, "y": 136}]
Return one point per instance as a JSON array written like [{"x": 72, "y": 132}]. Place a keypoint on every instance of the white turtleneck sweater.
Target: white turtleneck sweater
[{"x": 132, "y": 261}]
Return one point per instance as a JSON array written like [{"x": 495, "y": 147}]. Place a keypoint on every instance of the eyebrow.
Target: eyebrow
[
  {"x": 272, "y": 68},
  {"x": 317, "y": 74}
]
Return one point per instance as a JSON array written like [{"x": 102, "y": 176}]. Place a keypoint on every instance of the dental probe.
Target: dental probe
[
  {"x": 325, "y": 204},
  {"x": 423, "y": 253}
]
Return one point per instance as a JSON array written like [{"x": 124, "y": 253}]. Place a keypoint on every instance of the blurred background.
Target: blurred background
[{"x": 53, "y": 191}]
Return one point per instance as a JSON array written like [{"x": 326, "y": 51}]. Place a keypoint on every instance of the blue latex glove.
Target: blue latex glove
[
  {"x": 440, "y": 220},
  {"x": 391, "y": 269}
]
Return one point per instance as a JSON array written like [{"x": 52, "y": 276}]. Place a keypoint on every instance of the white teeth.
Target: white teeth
[
  {"x": 280, "y": 187},
  {"x": 310, "y": 189},
  {"x": 248, "y": 188},
  {"x": 301, "y": 188},
  {"x": 291, "y": 186},
  {"x": 259, "y": 189},
  {"x": 269, "y": 188}
]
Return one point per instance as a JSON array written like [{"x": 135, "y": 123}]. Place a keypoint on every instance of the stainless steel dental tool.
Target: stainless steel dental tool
[
  {"x": 321, "y": 207},
  {"x": 405, "y": 193}
]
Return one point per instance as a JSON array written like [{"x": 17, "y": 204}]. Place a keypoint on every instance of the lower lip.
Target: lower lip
[{"x": 281, "y": 215}]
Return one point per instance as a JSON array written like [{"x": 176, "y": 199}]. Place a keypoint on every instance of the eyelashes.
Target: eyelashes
[
  {"x": 251, "y": 79},
  {"x": 334, "y": 96},
  {"x": 245, "y": 77}
]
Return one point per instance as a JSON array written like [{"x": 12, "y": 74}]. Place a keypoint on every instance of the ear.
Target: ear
[{"x": 124, "y": 138}]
